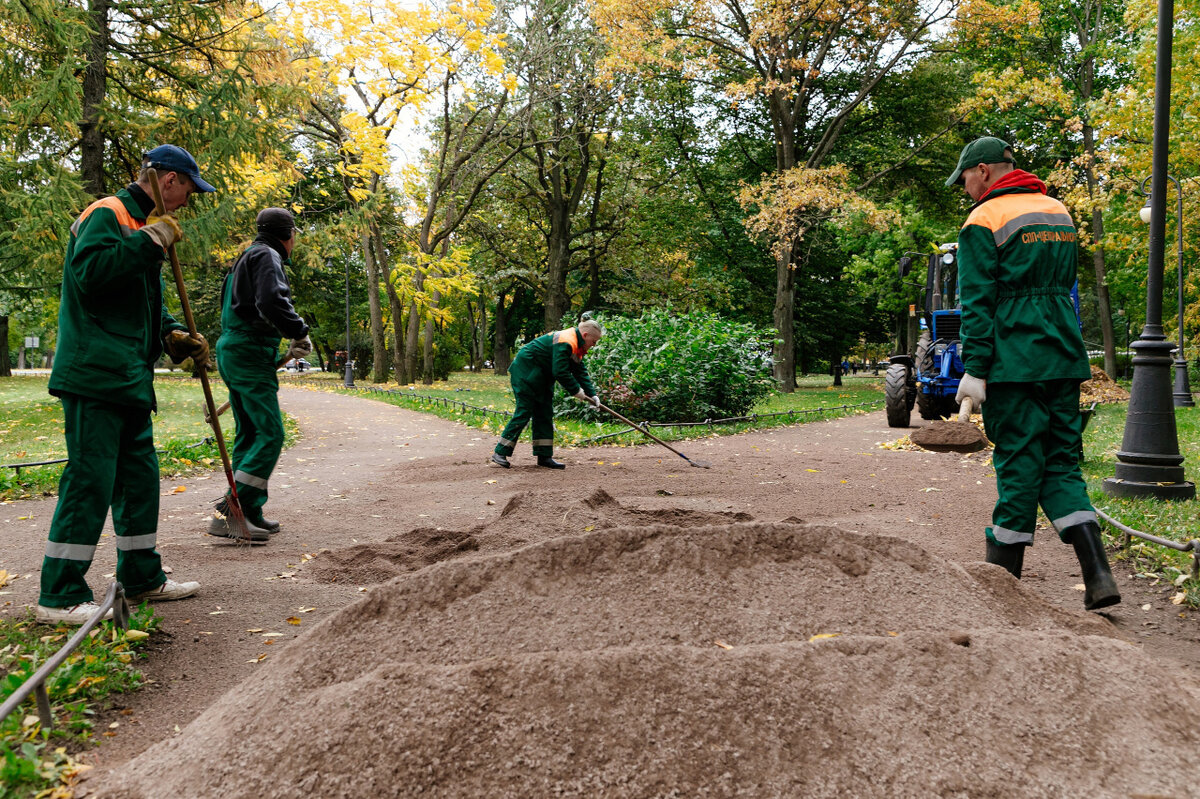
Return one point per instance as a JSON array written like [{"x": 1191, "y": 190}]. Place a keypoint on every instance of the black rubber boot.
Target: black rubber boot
[
  {"x": 550, "y": 463},
  {"x": 1100, "y": 589},
  {"x": 1010, "y": 556},
  {"x": 500, "y": 460}
]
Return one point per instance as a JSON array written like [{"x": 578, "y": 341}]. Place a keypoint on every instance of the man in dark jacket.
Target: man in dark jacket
[
  {"x": 256, "y": 312},
  {"x": 112, "y": 327},
  {"x": 541, "y": 362},
  {"x": 1025, "y": 359}
]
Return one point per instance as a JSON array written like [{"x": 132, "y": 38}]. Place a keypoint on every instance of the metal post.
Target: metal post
[
  {"x": 349, "y": 377},
  {"x": 1149, "y": 463},
  {"x": 1183, "y": 390}
]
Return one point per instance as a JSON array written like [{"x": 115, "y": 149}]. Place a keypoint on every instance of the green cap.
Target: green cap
[{"x": 988, "y": 150}]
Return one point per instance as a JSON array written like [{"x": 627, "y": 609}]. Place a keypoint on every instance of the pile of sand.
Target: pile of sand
[{"x": 735, "y": 659}]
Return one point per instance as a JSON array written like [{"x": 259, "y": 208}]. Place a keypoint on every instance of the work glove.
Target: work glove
[
  {"x": 181, "y": 345},
  {"x": 595, "y": 399},
  {"x": 164, "y": 230},
  {"x": 971, "y": 387},
  {"x": 299, "y": 348}
]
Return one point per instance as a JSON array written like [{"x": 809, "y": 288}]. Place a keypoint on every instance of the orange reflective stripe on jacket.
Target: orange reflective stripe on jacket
[
  {"x": 125, "y": 220},
  {"x": 570, "y": 337}
]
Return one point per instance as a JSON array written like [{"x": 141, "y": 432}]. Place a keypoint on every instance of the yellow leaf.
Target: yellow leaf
[
  {"x": 293, "y": 620},
  {"x": 258, "y": 659},
  {"x": 820, "y": 636},
  {"x": 812, "y": 470},
  {"x": 722, "y": 644},
  {"x": 178, "y": 489},
  {"x": 136, "y": 635},
  {"x": 1179, "y": 598}
]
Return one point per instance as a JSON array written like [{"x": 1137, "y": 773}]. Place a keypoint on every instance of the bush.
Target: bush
[{"x": 665, "y": 368}]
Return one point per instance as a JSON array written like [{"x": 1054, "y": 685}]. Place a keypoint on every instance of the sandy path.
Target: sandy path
[{"x": 387, "y": 491}]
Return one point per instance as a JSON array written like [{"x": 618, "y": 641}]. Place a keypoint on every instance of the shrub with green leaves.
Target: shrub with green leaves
[{"x": 666, "y": 368}]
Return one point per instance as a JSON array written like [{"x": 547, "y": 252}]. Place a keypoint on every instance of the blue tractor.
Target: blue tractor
[{"x": 928, "y": 376}]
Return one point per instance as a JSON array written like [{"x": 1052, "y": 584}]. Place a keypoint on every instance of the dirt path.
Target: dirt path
[{"x": 373, "y": 491}]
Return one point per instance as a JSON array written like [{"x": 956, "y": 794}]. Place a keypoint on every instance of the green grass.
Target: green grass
[
  {"x": 815, "y": 398},
  {"x": 1176, "y": 521},
  {"x": 35, "y": 761},
  {"x": 32, "y": 430}
]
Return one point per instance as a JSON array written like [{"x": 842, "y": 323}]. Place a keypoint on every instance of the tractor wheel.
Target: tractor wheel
[
  {"x": 896, "y": 391},
  {"x": 925, "y": 354},
  {"x": 928, "y": 406}
]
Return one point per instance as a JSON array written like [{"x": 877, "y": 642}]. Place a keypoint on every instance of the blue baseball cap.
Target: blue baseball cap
[{"x": 176, "y": 159}]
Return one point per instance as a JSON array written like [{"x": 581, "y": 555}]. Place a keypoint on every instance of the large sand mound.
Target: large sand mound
[{"x": 590, "y": 666}]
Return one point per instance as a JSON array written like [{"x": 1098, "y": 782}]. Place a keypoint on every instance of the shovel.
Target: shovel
[
  {"x": 648, "y": 434},
  {"x": 234, "y": 506}
]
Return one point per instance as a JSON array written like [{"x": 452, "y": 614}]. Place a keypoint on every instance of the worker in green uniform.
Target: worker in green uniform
[
  {"x": 541, "y": 362},
  {"x": 1025, "y": 359},
  {"x": 112, "y": 327},
  {"x": 256, "y": 313}
]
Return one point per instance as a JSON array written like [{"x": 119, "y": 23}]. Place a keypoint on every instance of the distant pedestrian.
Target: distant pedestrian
[
  {"x": 112, "y": 327},
  {"x": 1025, "y": 359},
  {"x": 256, "y": 313},
  {"x": 538, "y": 365}
]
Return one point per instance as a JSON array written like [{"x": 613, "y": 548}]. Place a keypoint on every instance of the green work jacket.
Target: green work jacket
[
  {"x": 111, "y": 320},
  {"x": 554, "y": 356},
  {"x": 1017, "y": 264}
]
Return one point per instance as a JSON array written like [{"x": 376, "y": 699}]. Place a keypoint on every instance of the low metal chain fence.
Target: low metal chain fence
[
  {"x": 1129, "y": 533},
  {"x": 32, "y": 464},
  {"x": 114, "y": 600}
]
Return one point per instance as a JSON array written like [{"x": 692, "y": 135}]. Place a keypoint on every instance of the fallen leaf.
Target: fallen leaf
[
  {"x": 258, "y": 659},
  {"x": 306, "y": 610},
  {"x": 812, "y": 470},
  {"x": 178, "y": 489},
  {"x": 217, "y": 612},
  {"x": 292, "y": 620},
  {"x": 1080, "y": 587},
  {"x": 820, "y": 636},
  {"x": 489, "y": 482},
  {"x": 1146, "y": 607},
  {"x": 255, "y": 630},
  {"x": 1179, "y": 598},
  {"x": 136, "y": 635},
  {"x": 722, "y": 644}
]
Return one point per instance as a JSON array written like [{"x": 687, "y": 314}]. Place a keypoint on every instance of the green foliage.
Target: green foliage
[
  {"x": 666, "y": 368},
  {"x": 33, "y": 759}
]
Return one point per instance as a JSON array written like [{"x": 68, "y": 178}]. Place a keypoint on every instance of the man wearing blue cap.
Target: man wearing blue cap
[
  {"x": 1025, "y": 359},
  {"x": 112, "y": 327},
  {"x": 256, "y": 313}
]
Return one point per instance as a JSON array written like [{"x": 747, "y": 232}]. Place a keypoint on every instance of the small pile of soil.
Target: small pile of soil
[
  {"x": 745, "y": 659},
  {"x": 364, "y": 564},
  {"x": 1101, "y": 388},
  {"x": 949, "y": 437}
]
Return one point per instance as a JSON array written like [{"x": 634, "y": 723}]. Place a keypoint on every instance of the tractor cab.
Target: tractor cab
[{"x": 928, "y": 374}]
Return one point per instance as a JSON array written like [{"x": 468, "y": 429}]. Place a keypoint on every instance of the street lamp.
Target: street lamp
[
  {"x": 1149, "y": 463},
  {"x": 1183, "y": 390},
  {"x": 349, "y": 379}
]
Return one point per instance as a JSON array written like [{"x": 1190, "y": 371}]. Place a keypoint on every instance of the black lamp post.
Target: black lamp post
[
  {"x": 1149, "y": 463},
  {"x": 1183, "y": 388},
  {"x": 349, "y": 379}
]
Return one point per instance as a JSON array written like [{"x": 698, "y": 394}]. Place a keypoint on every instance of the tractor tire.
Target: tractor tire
[
  {"x": 924, "y": 357},
  {"x": 929, "y": 406},
  {"x": 896, "y": 391}
]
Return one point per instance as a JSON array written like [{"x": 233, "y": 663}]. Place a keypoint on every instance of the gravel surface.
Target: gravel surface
[{"x": 468, "y": 630}]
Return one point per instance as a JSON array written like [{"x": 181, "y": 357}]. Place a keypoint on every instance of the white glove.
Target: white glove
[
  {"x": 971, "y": 387},
  {"x": 299, "y": 348},
  {"x": 579, "y": 395},
  {"x": 595, "y": 399}
]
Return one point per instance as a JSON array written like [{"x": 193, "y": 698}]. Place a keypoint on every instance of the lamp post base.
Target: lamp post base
[
  {"x": 1149, "y": 463},
  {"x": 1183, "y": 390},
  {"x": 349, "y": 380}
]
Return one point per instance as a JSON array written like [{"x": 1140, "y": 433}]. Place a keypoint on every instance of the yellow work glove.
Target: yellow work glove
[
  {"x": 164, "y": 230},
  {"x": 181, "y": 346}
]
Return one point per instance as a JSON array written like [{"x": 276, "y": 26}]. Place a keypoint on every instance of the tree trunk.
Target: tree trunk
[
  {"x": 1103, "y": 301},
  {"x": 378, "y": 341},
  {"x": 427, "y": 346},
  {"x": 5, "y": 368},
  {"x": 558, "y": 261},
  {"x": 95, "y": 78},
  {"x": 501, "y": 359},
  {"x": 399, "y": 363},
  {"x": 784, "y": 316}
]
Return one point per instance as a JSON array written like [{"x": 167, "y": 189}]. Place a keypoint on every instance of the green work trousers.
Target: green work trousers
[
  {"x": 247, "y": 365},
  {"x": 111, "y": 463},
  {"x": 536, "y": 404},
  {"x": 1036, "y": 429}
]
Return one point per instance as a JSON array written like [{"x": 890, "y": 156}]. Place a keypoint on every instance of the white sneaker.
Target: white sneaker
[
  {"x": 167, "y": 591},
  {"x": 72, "y": 614}
]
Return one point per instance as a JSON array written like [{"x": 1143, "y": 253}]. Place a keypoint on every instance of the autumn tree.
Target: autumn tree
[{"x": 803, "y": 68}]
